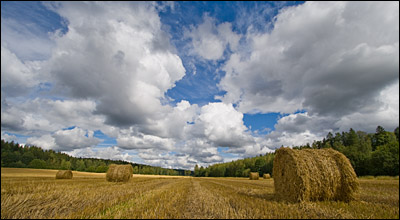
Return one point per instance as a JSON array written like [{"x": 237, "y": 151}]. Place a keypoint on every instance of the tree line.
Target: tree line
[
  {"x": 238, "y": 168},
  {"x": 372, "y": 154},
  {"x": 15, "y": 155}
]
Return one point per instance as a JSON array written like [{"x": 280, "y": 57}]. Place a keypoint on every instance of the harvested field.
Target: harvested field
[{"x": 89, "y": 195}]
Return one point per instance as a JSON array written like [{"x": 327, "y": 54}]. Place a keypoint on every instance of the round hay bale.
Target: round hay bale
[
  {"x": 313, "y": 175},
  {"x": 64, "y": 174},
  {"x": 119, "y": 173},
  {"x": 254, "y": 175},
  {"x": 266, "y": 176}
]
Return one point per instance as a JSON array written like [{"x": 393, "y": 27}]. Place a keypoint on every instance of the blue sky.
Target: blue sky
[{"x": 175, "y": 84}]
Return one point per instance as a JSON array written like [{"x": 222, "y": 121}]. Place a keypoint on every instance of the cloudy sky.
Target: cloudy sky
[{"x": 174, "y": 84}]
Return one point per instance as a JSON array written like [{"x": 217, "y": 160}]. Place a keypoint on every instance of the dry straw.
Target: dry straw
[
  {"x": 254, "y": 175},
  {"x": 64, "y": 174},
  {"x": 266, "y": 176},
  {"x": 313, "y": 175},
  {"x": 119, "y": 173}
]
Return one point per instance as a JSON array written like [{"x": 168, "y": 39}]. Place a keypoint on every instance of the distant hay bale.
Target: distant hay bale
[
  {"x": 254, "y": 175},
  {"x": 313, "y": 175},
  {"x": 64, "y": 174},
  {"x": 266, "y": 176},
  {"x": 119, "y": 173}
]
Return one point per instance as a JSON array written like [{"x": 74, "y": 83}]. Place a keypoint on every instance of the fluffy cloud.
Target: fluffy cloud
[
  {"x": 112, "y": 153},
  {"x": 328, "y": 58},
  {"x": 66, "y": 140},
  {"x": 177, "y": 161},
  {"x": 185, "y": 155},
  {"x": 387, "y": 114},
  {"x": 117, "y": 54},
  {"x": 11, "y": 120},
  {"x": 17, "y": 77},
  {"x": 142, "y": 141},
  {"x": 7, "y": 137},
  {"x": 46, "y": 142},
  {"x": 298, "y": 129},
  {"x": 201, "y": 150},
  {"x": 251, "y": 150},
  {"x": 75, "y": 138},
  {"x": 223, "y": 125},
  {"x": 174, "y": 123},
  {"x": 39, "y": 116},
  {"x": 302, "y": 128},
  {"x": 210, "y": 40},
  {"x": 203, "y": 130}
]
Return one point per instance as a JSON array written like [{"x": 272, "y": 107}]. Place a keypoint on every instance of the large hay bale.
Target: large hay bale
[
  {"x": 266, "y": 176},
  {"x": 254, "y": 175},
  {"x": 313, "y": 175},
  {"x": 64, "y": 174},
  {"x": 119, "y": 173}
]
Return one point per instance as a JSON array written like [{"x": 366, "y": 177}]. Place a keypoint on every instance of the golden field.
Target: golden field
[{"x": 34, "y": 193}]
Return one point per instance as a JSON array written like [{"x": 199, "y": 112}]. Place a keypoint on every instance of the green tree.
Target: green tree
[
  {"x": 269, "y": 158},
  {"x": 136, "y": 170},
  {"x": 259, "y": 164},
  {"x": 8, "y": 157},
  {"x": 91, "y": 169},
  {"x": 381, "y": 137},
  {"x": 396, "y": 132},
  {"x": 37, "y": 164},
  {"x": 352, "y": 138},
  {"x": 80, "y": 164},
  {"x": 385, "y": 159},
  {"x": 101, "y": 169},
  {"x": 230, "y": 169},
  {"x": 18, "y": 164},
  {"x": 246, "y": 172},
  {"x": 217, "y": 171},
  {"x": 196, "y": 170},
  {"x": 202, "y": 171},
  {"x": 187, "y": 172},
  {"x": 73, "y": 161},
  {"x": 240, "y": 167},
  {"x": 27, "y": 157},
  {"x": 89, "y": 163},
  {"x": 53, "y": 161},
  {"x": 65, "y": 165}
]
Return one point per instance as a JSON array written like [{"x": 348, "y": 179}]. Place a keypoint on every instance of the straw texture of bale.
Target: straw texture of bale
[
  {"x": 254, "y": 175},
  {"x": 119, "y": 173},
  {"x": 313, "y": 175},
  {"x": 64, "y": 174},
  {"x": 266, "y": 176}
]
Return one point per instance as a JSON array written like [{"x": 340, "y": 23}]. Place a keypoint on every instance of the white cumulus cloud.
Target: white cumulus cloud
[{"x": 210, "y": 40}]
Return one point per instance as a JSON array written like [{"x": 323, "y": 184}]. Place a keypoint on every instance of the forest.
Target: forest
[
  {"x": 14, "y": 155},
  {"x": 374, "y": 154}
]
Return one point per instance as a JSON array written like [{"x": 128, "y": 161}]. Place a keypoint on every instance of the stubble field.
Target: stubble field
[{"x": 28, "y": 193}]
